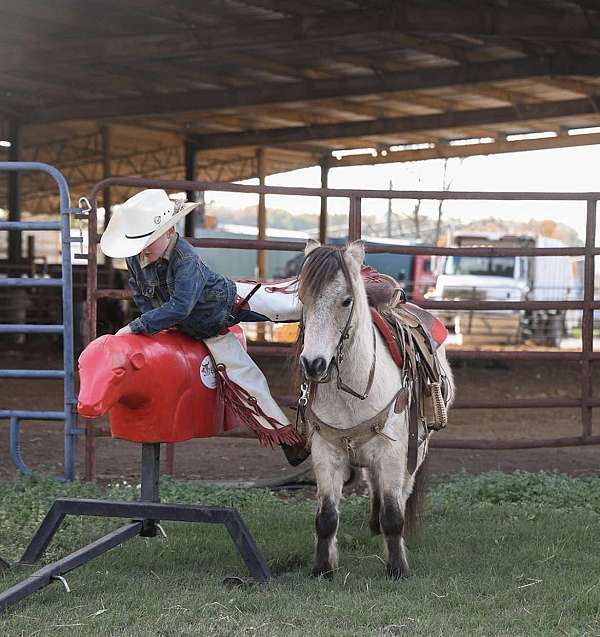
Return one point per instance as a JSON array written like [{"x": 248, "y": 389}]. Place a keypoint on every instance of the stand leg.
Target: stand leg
[
  {"x": 241, "y": 536},
  {"x": 150, "y": 483},
  {"x": 44, "y": 576},
  {"x": 44, "y": 534}
]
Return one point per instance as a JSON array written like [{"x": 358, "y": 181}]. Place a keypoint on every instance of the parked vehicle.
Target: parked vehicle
[
  {"x": 500, "y": 278},
  {"x": 415, "y": 273}
]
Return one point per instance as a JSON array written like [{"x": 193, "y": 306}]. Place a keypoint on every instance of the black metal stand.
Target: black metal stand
[{"x": 145, "y": 515}]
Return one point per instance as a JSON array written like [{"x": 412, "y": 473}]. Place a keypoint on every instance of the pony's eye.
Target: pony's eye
[
  {"x": 346, "y": 302},
  {"x": 119, "y": 371}
]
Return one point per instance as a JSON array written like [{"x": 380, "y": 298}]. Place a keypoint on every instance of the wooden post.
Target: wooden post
[
  {"x": 14, "y": 196},
  {"x": 323, "y": 216}
]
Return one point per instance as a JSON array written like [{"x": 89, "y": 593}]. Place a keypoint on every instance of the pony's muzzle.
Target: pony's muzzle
[{"x": 315, "y": 369}]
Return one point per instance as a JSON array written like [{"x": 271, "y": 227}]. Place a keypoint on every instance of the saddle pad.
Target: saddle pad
[
  {"x": 433, "y": 327},
  {"x": 386, "y": 332}
]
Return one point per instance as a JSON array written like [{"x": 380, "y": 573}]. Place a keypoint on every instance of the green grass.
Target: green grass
[{"x": 499, "y": 555}]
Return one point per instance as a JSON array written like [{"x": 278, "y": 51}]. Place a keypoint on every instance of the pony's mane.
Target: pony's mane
[{"x": 318, "y": 270}]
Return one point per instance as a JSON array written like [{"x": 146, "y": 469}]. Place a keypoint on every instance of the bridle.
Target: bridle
[{"x": 338, "y": 358}]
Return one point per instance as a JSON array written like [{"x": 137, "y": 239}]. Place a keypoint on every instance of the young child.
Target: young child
[{"x": 173, "y": 287}]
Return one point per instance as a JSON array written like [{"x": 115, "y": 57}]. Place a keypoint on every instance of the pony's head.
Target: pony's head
[{"x": 333, "y": 298}]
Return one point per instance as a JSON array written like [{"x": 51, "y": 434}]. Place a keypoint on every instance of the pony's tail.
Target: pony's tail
[{"x": 416, "y": 500}]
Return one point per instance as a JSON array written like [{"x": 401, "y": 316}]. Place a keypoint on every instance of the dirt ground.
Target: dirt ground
[{"x": 241, "y": 459}]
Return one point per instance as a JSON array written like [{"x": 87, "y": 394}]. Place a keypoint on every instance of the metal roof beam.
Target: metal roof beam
[
  {"x": 272, "y": 93},
  {"x": 403, "y": 19},
  {"x": 447, "y": 150},
  {"x": 404, "y": 124}
]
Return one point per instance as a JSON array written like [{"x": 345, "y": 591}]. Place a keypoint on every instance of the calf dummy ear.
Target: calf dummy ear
[
  {"x": 311, "y": 245},
  {"x": 356, "y": 252},
  {"x": 138, "y": 360}
]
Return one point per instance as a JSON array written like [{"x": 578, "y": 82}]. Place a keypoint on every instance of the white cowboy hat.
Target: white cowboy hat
[{"x": 140, "y": 221}]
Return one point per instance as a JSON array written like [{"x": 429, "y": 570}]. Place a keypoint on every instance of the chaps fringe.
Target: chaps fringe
[{"x": 245, "y": 410}]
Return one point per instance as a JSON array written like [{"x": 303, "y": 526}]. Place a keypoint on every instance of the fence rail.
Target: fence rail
[{"x": 586, "y": 356}]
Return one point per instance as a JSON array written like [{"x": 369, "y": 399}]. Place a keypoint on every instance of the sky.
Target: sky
[{"x": 574, "y": 169}]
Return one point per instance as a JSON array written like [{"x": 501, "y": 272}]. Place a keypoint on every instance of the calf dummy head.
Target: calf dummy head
[
  {"x": 160, "y": 388},
  {"x": 106, "y": 368}
]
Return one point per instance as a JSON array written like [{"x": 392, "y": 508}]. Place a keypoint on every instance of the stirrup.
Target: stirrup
[{"x": 440, "y": 411}]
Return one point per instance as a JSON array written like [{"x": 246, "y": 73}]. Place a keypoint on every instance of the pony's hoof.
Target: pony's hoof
[
  {"x": 240, "y": 582},
  {"x": 325, "y": 572},
  {"x": 397, "y": 572}
]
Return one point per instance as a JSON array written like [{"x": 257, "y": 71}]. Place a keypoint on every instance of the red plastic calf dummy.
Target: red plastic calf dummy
[{"x": 161, "y": 388}]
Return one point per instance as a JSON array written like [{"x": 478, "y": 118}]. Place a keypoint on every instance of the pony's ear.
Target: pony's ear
[
  {"x": 311, "y": 245},
  {"x": 356, "y": 252}
]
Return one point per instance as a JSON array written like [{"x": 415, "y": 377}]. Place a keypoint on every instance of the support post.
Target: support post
[
  {"x": 324, "y": 163},
  {"x": 31, "y": 254},
  {"x": 150, "y": 483},
  {"x": 105, "y": 136},
  {"x": 90, "y": 433},
  {"x": 261, "y": 255},
  {"x": 14, "y": 195},
  {"x": 261, "y": 221},
  {"x": 194, "y": 219},
  {"x": 389, "y": 214},
  {"x": 587, "y": 321},
  {"x": 170, "y": 459},
  {"x": 106, "y": 139},
  {"x": 354, "y": 219}
]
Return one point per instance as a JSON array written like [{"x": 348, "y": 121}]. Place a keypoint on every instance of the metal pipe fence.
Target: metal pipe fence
[
  {"x": 586, "y": 355},
  {"x": 65, "y": 329}
]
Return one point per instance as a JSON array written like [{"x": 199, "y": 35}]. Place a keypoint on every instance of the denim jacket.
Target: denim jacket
[{"x": 180, "y": 290}]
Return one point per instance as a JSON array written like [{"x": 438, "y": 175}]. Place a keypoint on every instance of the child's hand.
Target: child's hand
[{"x": 124, "y": 330}]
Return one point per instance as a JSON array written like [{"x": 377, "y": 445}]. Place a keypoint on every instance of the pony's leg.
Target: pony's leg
[
  {"x": 388, "y": 475},
  {"x": 329, "y": 466},
  {"x": 374, "y": 503}
]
